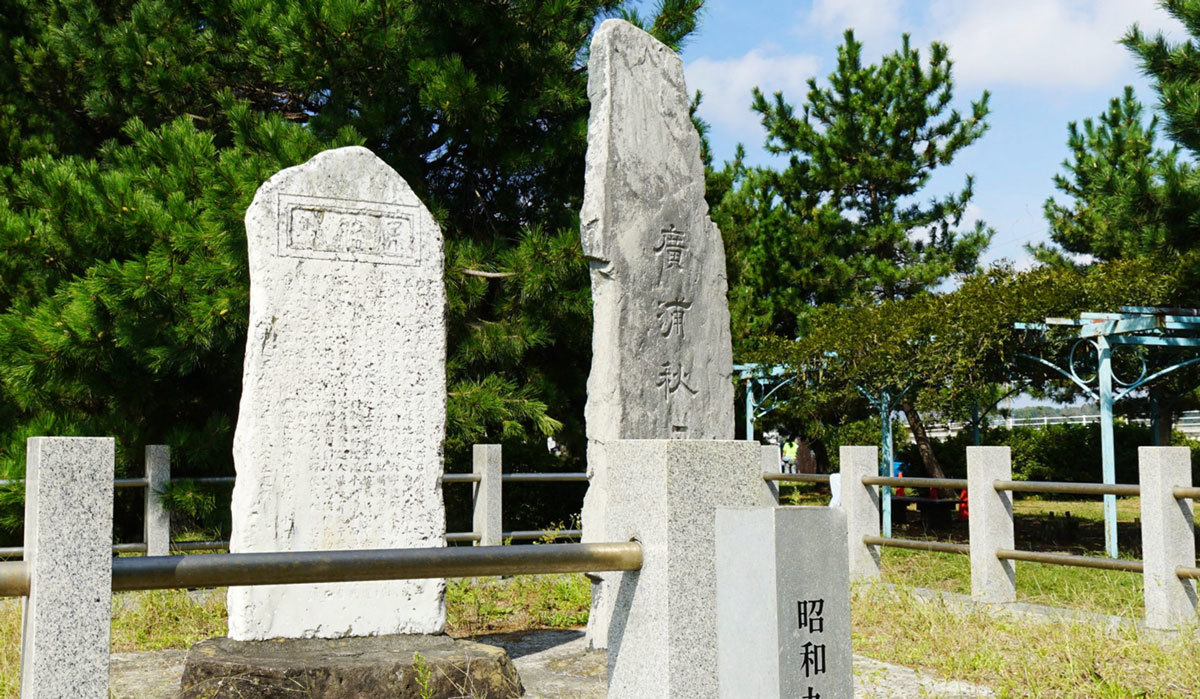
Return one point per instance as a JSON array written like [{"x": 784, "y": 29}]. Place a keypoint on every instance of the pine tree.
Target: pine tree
[
  {"x": 1128, "y": 197},
  {"x": 134, "y": 133},
  {"x": 845, "y": 218}
]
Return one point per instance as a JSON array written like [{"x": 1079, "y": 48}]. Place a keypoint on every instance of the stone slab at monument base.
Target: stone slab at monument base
[{"x": 407, "y": 665}]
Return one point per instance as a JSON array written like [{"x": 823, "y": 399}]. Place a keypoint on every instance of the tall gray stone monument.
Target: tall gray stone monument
[
  {"x": 661, "y": 353},
  {"x": 339, "y": 435}
]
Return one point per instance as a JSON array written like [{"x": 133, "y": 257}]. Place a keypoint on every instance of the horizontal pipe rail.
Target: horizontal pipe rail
[
  {"x": 1066, "y": 559},
  {"x": 461, "y": 477},
  {"x": 527, "y": 534},
  {"x": 200, "y": 545},
  {"x": 225, "y": 569},
  {"x": 1180, "y": 493},
  {"x": 958, "y": 483},
  {"x": 1187, "y": 572},
  {"x": 797, "y": 477},
  {"x": 459, "y": 537},
  {"x": 210, "y": 480},
  {"x": 918, "y": 545},
  {"x": 544, "y": 477},
  {"x": 1068, "y": 488},
  {"x": 130, "y": 482}
]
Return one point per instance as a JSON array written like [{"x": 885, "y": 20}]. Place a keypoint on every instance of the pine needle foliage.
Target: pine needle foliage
[{"x": 133, "y": 135}]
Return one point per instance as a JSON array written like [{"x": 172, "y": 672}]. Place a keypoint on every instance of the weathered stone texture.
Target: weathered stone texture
[
  {"x": 661, "y": 352},
  {"x": 68, "y": 550},
  {"x": 340, "y": 429},
  {"x": 384, "y": 666}
]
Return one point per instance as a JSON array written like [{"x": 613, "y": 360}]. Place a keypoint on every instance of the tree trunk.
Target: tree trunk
[
  {"x": 932, "y": 467},
  {"x": 1164, "y": 421}
]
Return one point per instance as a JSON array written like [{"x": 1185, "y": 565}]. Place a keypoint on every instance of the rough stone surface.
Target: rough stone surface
[
  {"x": 990, "y": 525},
  {"x": 663, "y": 638},
  {"x": 783, "y": 603},
  {"x": 381, "y": 666},
  {"x": 861, "y": 505},
  {"x": 661, "y": 352},
  {"x": 340, "y": 428},
  {"x": 1168, "y": 536},
  {"x": 68, "y": 540},
  {"x": 157, "y": 519}
]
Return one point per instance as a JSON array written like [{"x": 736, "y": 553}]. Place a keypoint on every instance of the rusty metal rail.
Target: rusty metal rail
[
  {"x": 958, "y": 483},
  {"x": 1187, "y": 572},
  {"x": 223, "y": 569},
  {"x": 1068, "y": 488},
  {"x": 918, "y": 545},
  {"x": 798, "y": 477},
  {"x": 1066, "y": 559}
]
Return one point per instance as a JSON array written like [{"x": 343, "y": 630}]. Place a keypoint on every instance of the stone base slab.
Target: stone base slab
[{"x": 374, "y": 666}]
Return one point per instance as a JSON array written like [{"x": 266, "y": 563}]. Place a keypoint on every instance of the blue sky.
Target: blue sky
[{"x": 1046, "y": 62}]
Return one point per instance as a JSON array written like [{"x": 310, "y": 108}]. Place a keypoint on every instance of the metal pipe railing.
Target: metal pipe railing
[
  {"x": 461, "y": 477},
  {"x": 1180, "y": 493},
  {"x": 1068, "y": 488},
  {"x": 797, "y": 477},
  {"x": 1066, "y": 559},
  {"x": 460, "y": 537},
  {"x": 528, "y": 534},
  {"x": 225, "y": 569},
  {"x": 130, "y": 482},
  {"x": 956, "y": 483},
  {"x": 211, "y": 480},
  {"x": 1187, "y": 572},
  {"x": 544, "y": 477},
  {"x": 199, "y": 545},
  {"x": 918, "y": 545}
]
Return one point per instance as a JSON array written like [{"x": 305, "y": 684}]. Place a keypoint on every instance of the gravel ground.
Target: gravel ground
[{"x": 553, "y": 665}]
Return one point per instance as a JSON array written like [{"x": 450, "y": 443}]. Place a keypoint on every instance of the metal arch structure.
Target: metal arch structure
[
  {"x": 1139, "y": 326},
  {"x": 770, "y": 379}
]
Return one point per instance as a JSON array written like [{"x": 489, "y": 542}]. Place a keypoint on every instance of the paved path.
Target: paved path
[{"x": 552, "y": 664}]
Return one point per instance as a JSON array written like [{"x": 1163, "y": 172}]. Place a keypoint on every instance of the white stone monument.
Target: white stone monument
[
  {"x": 340, "y": 428},
  {"x": 661, "y": 352}
]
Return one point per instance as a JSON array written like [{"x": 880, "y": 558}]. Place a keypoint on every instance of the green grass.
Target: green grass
[
  {"x": 1020, "y": 656},
  {"x": 493, "y": 605}
]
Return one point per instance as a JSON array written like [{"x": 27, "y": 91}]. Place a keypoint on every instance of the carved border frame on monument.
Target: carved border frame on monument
[{"x": 336, "y": 230}]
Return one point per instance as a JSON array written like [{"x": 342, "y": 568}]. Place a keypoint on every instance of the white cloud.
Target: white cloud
[
  {"x": 727, "y": 84},
  {"x": 871, "y": 20},
  {"x": 1061, "y": 44}
]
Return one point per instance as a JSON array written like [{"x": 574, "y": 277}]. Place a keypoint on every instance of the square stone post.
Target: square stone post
[
  {"x": 486, "y": 461},
  {"x": 664, "y": 493},
  {"x": 783, "y": 603},
  {"x": 861, "y": 505},
  {"x": 68, "y": 551},
  {"x": 157, "y": 519},
  {"x": 771, "y": 458},
  {"x": 990, "y": 524},
  {"x": 1168, "y": 536}
]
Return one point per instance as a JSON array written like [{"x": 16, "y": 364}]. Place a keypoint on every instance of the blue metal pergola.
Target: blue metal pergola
[{"x": 1139, "y": 326}]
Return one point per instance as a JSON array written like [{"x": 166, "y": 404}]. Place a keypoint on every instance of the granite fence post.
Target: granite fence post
[
  {"x": 990, "y": 524},
  {"x": 157, "y": 519},
  {"x": 1168, "y": 536},
  {"x": 486, "y": 461},
  {"x": 662, "y": 641},
  {"x": 861, "y": 504},
  {"x": 68, "y": 552},
  {"x": 771, "y": 458}
]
